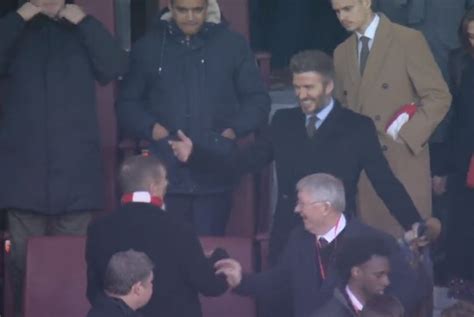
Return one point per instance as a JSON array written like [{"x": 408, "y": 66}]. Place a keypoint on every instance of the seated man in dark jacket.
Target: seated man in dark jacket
[
  {"x": 363, "y": 265},
  {"x": 128, "y": 285},
  {"x": 191, "y": 72},
  {"x": 306, "y": 271},
  {"x": 140, "y": 223}
]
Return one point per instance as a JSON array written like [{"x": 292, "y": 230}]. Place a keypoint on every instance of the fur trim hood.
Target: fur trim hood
[{"x": 213, "y": 13}]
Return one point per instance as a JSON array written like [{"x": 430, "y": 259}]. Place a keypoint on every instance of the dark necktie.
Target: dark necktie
[
  {"x": 323, "y": 243},
  {"x": 311, "y": 126},
  {"x": 364, "y": 53}
]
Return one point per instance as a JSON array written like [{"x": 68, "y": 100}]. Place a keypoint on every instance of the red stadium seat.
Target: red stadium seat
[
  {"x": 55, "y": 282},
  {"x": 55, "y": 279}
]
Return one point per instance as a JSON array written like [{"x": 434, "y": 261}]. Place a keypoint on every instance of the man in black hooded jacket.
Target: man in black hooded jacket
[
  {"x": 51, "y": 54},
  {"x": 192, "y": 73}
]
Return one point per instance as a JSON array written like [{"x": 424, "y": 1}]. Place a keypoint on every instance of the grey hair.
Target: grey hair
[
  {"x": 324, "y": 187},
  {"x": 125, "y": 269}
]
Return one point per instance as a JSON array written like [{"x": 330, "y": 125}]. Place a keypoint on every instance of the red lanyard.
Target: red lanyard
[{"x": 318, "y": 250}]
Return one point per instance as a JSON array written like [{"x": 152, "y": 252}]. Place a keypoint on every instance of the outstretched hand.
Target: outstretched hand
[
  {"x": 231, "y": 269},
  {"x": 182, "y": 148}
]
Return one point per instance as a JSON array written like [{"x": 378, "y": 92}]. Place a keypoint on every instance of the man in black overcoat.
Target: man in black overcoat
[
  {"x": 51, "y": 55},
  {"x": 141, "y": 223}
]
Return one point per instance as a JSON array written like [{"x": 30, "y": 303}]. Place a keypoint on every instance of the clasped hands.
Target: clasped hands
[
  {"x": 71, "y": 12},
  {"x": 232, "y": 271}
]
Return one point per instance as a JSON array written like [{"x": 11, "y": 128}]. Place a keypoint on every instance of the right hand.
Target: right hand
[
  {"x": 28, "y": 11},
  {"x": 438, "y": 183},
  {"x": 231, "y": 269},
  {"x": 159, "y": 132},
  {"x": 182, "y": 148}
]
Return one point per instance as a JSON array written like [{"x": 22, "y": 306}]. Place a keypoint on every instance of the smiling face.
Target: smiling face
[
  {"x": 189, "y": 15},
  {"x": 354, "y": 15},
  {"x": 49, "y": 7},
  {"x": 312, "y": 90},
  {"x": 312, "y": 212}
]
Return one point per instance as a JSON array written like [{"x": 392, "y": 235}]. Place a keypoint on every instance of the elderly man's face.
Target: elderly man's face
[
  {"x": 49, "y": 7},
  {"x": 311, "y": 211},
  {"x": 189, "y": 15}
]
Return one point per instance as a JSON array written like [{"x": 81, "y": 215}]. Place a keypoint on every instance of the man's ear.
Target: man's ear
[
  {"x": 329, "y": 87},
  {"x": 355, "y": 272},
  {"x": 136, "y": 289}
]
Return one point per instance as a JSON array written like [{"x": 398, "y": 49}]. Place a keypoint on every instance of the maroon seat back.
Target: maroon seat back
[{"x": 55, "y": 279}]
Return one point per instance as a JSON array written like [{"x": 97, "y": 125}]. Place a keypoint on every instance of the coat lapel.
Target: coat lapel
[
  {"x": 352, "y": 58},
  {"x": 329, "y": 126},
  {"x": 378, "y": 53}
]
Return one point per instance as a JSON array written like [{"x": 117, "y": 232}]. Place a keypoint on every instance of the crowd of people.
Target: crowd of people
[{"x": 353, "y": 219}]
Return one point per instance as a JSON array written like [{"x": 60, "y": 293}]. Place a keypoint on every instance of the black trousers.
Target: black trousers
[{"x": 460, "y": 235}]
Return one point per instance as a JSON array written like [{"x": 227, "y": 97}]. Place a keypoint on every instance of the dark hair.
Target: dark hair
[
  {"x": 138, "y": 172},
  {"x": 126, "y": 269},
  {"x": 357, "y": 251},
  {"x": 312, "y": 61},
  {"x": 463, "y": 34},
  {"x": 383, "y": 305}
]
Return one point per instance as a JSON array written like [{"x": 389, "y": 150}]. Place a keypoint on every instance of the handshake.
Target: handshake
[{"x": 232, "y": 271}]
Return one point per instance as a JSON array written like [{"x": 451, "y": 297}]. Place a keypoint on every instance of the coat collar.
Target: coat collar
[{"x": 378, "y": 53}]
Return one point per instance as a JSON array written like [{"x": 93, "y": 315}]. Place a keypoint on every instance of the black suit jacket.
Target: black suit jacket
[
  {"x": 111, "y": 307},
  {"x": 344, "y": 145},
  {"x": 181, "y": 269},
  {"x": 298, "y": 274},
  {"x": 338, "y": 306}
]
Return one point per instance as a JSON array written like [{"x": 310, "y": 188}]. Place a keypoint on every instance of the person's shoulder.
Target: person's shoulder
[
  {"x": 298, "y": 233},
  {"x": 344, "y": 44},
  {"x": 333, "y": 307},
  {"x": 358, "y": 228},
  {"x": 355, "y": 118},
  {"x": 223, "y": 32},
  {"x": 106, "y": 307},
  {"x": 404, "y": 33},
  {"x": 286, "y": 114}
]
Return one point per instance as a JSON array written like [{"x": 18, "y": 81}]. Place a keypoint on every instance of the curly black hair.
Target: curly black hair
[{"x": 356, "y": 251}]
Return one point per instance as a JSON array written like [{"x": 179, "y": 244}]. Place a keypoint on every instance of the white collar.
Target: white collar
[
  {"x": 371, "y": 29},
  {"x": 324, "y": 112},
  {"x": 334, "y": 231},
  {"x": 355, "y": 302},
  {"x": 141, "y": 197}
]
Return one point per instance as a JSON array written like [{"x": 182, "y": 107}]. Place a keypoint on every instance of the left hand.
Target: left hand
[
  {"x": 73, "y": 13},
  {"x": 229, "y": 133}
]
